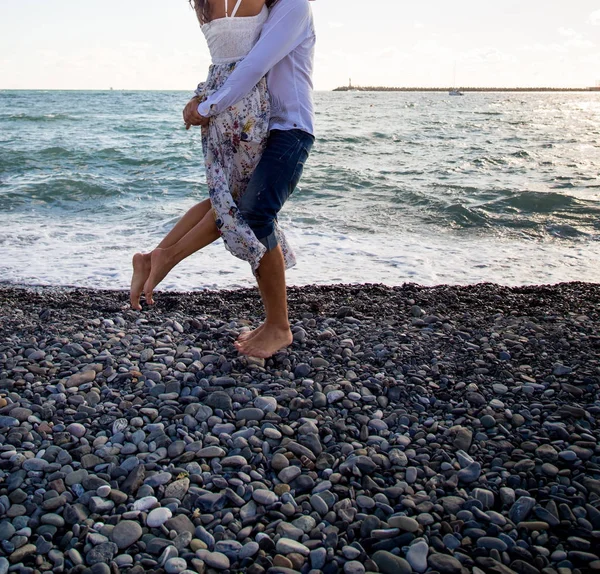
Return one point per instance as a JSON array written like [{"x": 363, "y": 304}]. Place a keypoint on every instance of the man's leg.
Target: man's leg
[
  {"x": 142, "y": 261},
  {"x": 275, "y": 333},
  {"x": 273, "y": 181}
]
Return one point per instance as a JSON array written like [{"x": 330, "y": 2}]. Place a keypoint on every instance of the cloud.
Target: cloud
[
  {"x": 389, "y": 53},
  {"x": 594, "y": 18},
  {"x": 567, "y": 32},
  {"x": 489, "y": 55},
  {"x": 593, "y": 60},
  {"x": 574, "y": 39},
  {"x": 548, "y": 48}
]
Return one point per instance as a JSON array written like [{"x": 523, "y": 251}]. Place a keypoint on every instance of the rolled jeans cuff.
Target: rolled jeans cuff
[{"x": 270, "y": 241}]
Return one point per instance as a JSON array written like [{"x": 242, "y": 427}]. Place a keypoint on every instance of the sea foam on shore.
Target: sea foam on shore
[{"x": 446, "y": 429}]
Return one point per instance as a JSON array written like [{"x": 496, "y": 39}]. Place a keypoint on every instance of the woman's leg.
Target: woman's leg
[
  {"x": 163, "y": 259},
  {"x": 192, "y": 217},
  {"x": 142, "y": 261}
]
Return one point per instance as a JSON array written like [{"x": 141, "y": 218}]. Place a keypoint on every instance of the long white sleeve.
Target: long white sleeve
[{"x": 288, "y": 32}]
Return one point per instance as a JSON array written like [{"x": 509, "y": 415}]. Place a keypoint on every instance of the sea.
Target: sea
[{"x": 400, "y": 187}]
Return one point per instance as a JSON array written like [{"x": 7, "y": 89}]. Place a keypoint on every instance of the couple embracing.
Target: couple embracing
[{"x": 257, "y": 117}]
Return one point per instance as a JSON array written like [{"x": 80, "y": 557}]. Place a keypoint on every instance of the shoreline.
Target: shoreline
[
  {"x": 429, "y": 429},
  {"x": 590, "y": 90}
]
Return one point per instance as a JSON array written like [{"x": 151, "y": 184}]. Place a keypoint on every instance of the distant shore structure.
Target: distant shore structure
[{"x": 351, "y": 88}]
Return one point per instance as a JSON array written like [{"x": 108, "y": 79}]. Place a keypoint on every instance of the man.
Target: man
[{"x": 285, "y": 52}]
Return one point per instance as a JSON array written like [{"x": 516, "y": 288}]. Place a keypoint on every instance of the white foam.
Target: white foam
[{"x": 72, "y": 252}]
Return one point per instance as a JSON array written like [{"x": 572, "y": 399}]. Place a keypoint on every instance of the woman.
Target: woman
[{"x": 232, "y": 144}]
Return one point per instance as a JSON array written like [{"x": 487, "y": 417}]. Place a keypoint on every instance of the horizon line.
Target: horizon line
[{"x": 337, "y": 89}]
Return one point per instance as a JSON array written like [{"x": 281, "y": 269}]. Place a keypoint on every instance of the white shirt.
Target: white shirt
[{"x": 285, "y": 53}]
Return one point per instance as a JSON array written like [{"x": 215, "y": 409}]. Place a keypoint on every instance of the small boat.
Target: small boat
[{"x": 455, "y": 91}]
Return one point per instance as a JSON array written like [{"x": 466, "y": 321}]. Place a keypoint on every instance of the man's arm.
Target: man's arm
[{"x": 282, "y": 34}]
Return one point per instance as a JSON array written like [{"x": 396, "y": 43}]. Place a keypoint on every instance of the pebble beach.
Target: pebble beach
[{"x": 447, "y": 430}]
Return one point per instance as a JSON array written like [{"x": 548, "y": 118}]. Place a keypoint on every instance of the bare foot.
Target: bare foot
[
  {"x": 247, "y": 335},
  {"x": 266, "y": 343},
  {"x": 160, "y": 265},
  {"x": 141, "y": 270}
]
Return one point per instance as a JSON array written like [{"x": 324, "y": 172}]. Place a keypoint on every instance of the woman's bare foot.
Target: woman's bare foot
[
  {"x": 141, "y": 270},
  {"x": 266, "y": 343},
  {"x": 160, "y": 265},
  {"x": 247, "y": 335}
]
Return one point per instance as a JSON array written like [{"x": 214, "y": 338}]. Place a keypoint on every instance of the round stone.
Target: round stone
[
  {"x": 389, "y": 563},
  {"x": 471, "y": 473},
  {"x": 76, "y": 430},
  {"x": 236, "y": 460},
  {"x": 411, "y": 475},
  {"x": 216, "y": 560},
  {"x": 404, "y": 523},
  {"x": 365, "y": 501},
  {"x": 417, "y": 555},
  {"x": 306, "y": 523},
  {"x": 335, "y": 396},
  {"x": 103, "y": 490},
  {"x": 145, "y": 503},
  {"x": 175, "y": 565},
  {"x": 549, "y": 469},
  {"x": 124, "y": 561},
  {"x": 158, "y": 517},
  {"x": 35, "y": 464},
  {"x": 272, "y": 433},
  {"x": 100, "y": 568},
  {"x": 445, "y": 564},
  {"x": 248, "y": 550},
  {"x": 302, "y": 370},
  {"x": 492, "y": 543},
  {"x": 290, "y": 473},
  {"x": 126, "y": 533},
  {"x": 279, "y": 462},
  {"x": 354, "y": 567},
  {"x": 265, "y": 497},
  {"x": 289, "y": 546},
  {"x": 7, "y": 531},
  {"x": 266, "y": 404},
  {"x": 250, "y": 414},
  {"x": 488, "y": 421}
]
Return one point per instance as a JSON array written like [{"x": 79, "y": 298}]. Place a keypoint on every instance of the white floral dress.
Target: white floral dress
[{"x": 234, "y": 140}]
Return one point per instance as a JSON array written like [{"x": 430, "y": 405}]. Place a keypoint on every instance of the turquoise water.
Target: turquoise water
[{"x": 400, "y": 187}]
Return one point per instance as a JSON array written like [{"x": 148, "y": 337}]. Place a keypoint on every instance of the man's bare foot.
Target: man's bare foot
[
  {"x": 160, "y": 265},
  {"x": 266, "y": 343},
  {"x": 141, "y": 270},
  {"x": 247, "y": 335}
]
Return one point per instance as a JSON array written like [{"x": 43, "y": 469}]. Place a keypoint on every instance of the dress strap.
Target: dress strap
[{"x": 236, "y": 8}]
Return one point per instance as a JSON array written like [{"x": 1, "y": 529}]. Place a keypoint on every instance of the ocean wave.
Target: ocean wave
[
  {"x": 57, "y": 192},
  {"x": 543, "y": 203},
  {"x": 23, "y": 117},
  {"x": 55, "y": 152}
]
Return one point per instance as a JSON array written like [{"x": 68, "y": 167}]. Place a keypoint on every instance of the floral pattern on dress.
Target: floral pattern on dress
[{"x": 233, "y": 143}]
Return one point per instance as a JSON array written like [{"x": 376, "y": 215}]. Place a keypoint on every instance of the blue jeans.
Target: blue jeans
[{"x": 273, "y": 181}]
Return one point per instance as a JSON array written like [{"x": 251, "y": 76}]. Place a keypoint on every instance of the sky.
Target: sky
[{"x": 157, "y": 44}]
